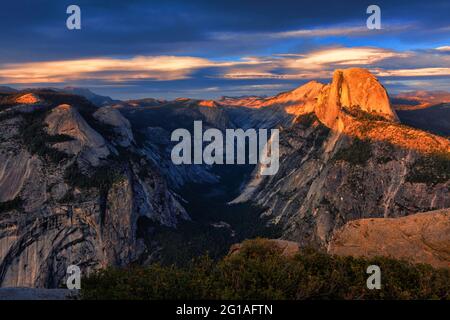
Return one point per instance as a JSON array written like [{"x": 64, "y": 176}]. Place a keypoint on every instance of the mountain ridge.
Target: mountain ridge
[
  {"x": 343, "y": 162},
  {"x": 95, "y": 186}
]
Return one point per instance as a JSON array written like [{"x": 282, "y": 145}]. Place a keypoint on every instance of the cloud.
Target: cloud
[
  {"x": 303, "y": 75},
  {"x": 444, "y": 48},
  {"x": 159, "y": 68},
  {"x": 331, "y": 31},
  {"x": 107, "y": 69},
  {"x": 302, "y": 33},
  {"x": 325, "y": 32},
  {"x": 313, "y": 65},
  {"x": 342, "y": 57},
  {"x": 317, "y": 64},
  {"x": 187, "y": 28},
  {"x": 418, "y": 72}
]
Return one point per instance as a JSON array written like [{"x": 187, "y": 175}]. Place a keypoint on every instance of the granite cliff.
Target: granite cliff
[
  {"x": 71, "y": 193},
  {"x": 91, "y": 184},
  {"x": 347, "y": 158},
  {"x": 418, "y": 238}
]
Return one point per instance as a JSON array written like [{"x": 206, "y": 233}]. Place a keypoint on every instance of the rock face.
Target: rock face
[
  {"x": 14, "y": 170},
  {"x": 358, "y": 87},
  {"x": 415, "y": 100},
  {"x": 154, "y": 124},
  {"x": 208, "y": 103},
  {"x": 90, "y": 186},
  {"x": 419, "y": 238},
  {"x": 297, "y": 101},
  {"x": 120, "y": 124},
  {"x": 258, "y": 112},
  {"x": 82, "y": 208},
  {"x": 65, "y": 120},
  {"x": 339, "y": 164},
  {"x": 28, "y": 98},
  {"x": 352, "y": 88}
]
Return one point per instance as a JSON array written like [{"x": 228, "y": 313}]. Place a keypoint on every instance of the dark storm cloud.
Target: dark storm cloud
[
  {"x": 35, "y": 30},
  {"x": 216, "y": 32}
]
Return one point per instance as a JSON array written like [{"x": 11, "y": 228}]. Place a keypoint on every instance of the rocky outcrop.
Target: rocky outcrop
[
  {"x": 339, "y": 164},
  {"x": 153, "y": 126},
  {"x": 66, "y": 120},
  {"x": 421, "y": 99},
  {"x": 352, "y": 88},
  {"x": 208, "y": 103},
  {"x": 358, "y": 87},
  {"x": 55, "y": 213},
  {"x": 298, "y": 101},
  {"x": 418, "y": 238},
  {"x": 120, "y": 124},
  {"x": 259, "y": 112},
  {"x": 94, "y": 186},
  {"x": 89, "y": 228},
  {"x": 253, "y": 102},
  {"x": 28, "y": 98},
  {"x": 14, "y": 170}
]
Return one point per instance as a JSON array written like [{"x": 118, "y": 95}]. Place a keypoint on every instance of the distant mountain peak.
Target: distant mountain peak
[
  {"x": 208, "y": 103},
  {"x": 28, "y": 98},
  {"x": 420, "y": 99},
  {"x": 353, "y": 88},
  {"x": 5, "y": 89},
  {"x": 96, "y": 99},
  {"x": 350, "y": 88},
  {"x": 311, "y": 85},
  {"x": 359, "y": 87}
]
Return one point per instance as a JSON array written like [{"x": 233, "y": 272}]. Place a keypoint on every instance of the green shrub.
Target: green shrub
[
  {"x": 358, "y": 113},
  {"x": 357, "y": 153},
  {"x": 259, "y": 271},
  {"x": 101, "y": 178}
]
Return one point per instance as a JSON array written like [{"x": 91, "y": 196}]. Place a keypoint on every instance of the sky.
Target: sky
[{"x": 207, "y": 49}]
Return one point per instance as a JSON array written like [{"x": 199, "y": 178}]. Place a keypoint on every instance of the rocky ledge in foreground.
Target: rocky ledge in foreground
[{"x": 418, "y": 238}]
